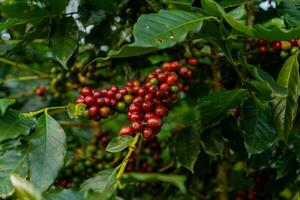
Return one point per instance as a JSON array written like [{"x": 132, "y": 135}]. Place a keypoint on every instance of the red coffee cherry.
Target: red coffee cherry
[
  {"x": 154, "y": 122},
  {"x": 172, "y": 79},
  {"x": 192, "y": 61},
  {"x": 89, "y": 100},
  {"x": 276, "y": 45},
  {"x": 262, "y": 49},
  {"x": 126, "y": 130},
  {"x": 85, "y": 91},
  {"x": 137, "y": 126},
  {"x": 93, "y": 110},
  {"x": 136, "y": 116},
  {"x": 160, "y": 111},
  {"x": 147, "y": 106},
  {"x": 148, "y": 133},
  {"x": 40, "y": 91},
  {"x": 261, "y": 42}
]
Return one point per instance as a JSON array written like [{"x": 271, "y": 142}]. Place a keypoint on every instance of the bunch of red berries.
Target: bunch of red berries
[
  {"x": 102, "y": 103},
  {"x": 154, "y": 99},
  {"x": 284, "y": 47}
]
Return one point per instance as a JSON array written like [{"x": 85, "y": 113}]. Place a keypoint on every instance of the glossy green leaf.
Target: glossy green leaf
[
  {"x": 4, "y": 104},
  {"x": 11, "y": 162},
  {"x": 64, "y": 195},
  {"x": 12, "y": 125},
  {"x": 158, "y": 31},
  {"x": 231, "y": 3},
  {"x": 187, "y": 142},
  {"x": 258, "y": 127},
  {"x": 75, "y": 110},
  {"x": 47, "y": 151},
  {"x": 214, "y": 108},
  {"x": 285, "y": 108},
  {"x": 25, "y": 190},
  {"x": 177, "y": 180},
  {"x": 275, "y": 33},
  {"x": 119, "y": 144},
  {"x": 23, "y": 10},
  {"x": 212, "y": 141},
  {"x": 64, "y": 39},
  {"x": 104, "y": 183}
]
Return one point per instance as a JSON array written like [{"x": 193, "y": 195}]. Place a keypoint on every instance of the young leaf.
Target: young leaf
[
  {"x": 104, "y": 183},
  {"x": 158, "y": 31},
  {"x": 74, "y": 111},
  {"x": 258, "y": 127},
  {"x": 63, "y": 40},
  {"x": 11, "y": 162},
  {"x": 25, "y": 190},
  {"x": 187, "y": 142},
  {"x": 177, "y": 180},
  {"x": 119, "y": 144},
  {"x": 215, "y": 107},
  {"x": 12, "y": 125},
  {"x": 285, "y": 108},
  {"x": 47, "y": 151},
  {"x": 4, "y": 104}
]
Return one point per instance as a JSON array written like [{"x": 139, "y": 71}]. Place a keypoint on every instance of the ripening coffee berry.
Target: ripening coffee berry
[
  {"x": 147, "y": 106},
  {"x": 192, "y": 61},
  {"x": 174, "y": 89},
  {"x": 160, "y": 111},
  {"x": 126, "y": 130},
  {"x": 121, "y": 106},
  {"x": 154, "y": 81},
  {"x": 262, "y": 49},
  {"x": 276, "y": 45},
  {"x": 154, "y": 122},
  {"x": 172, "y": 79},
  {"x": 148, "y": 133},
  {"x": 93, "y": 110},
  {"x": 104, "y": 111},
  {"x": 137, "y": 126},
  {"x": 294, "y": 42},
  {"x": 128, "y": 98},
  {"x": 285, "y": 45},
  {"x": 261, "y": 42},
  {"x": 85, "y": 91},
  {"x": 89, "y": 100}
]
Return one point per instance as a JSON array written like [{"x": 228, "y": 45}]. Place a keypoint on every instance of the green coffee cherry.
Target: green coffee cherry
[{"x": 294, "y": 50}]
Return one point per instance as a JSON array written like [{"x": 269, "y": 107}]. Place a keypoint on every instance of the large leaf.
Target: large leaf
[
  {"x": 275, "y": 33},
  {"x": 214, "y": 108},
  {"x": 4, "y": 104},
  {"x": 158, "y": 31},
  {"x": 258, "y": 127},
  {"x": 285, "y": 108},
  {"x": 177, "y": 180},
  {"x": 12, "y": 125},
  {"x": 64, "y": 195},
  {"x": 11, "y": 162},
  {"x": 119, "y": 144},
  {"x": 57, "y": 6},
  {"x": 64, "y": 38},
  {"x": 47, "y": 151},
  {"x": 11, "y": 22},
  {"x": 24, "y": 10},
  {"x": 187, "y": 142},
  {"x": 25, "y": 190},
  {"x": 104, "y": 183}
]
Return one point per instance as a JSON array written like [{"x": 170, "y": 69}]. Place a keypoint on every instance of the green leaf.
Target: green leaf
[
  {"x": 64, "y": 39},
  {"x": 47, "y": 151},
  {"x": 231, "y": 3},
  {"x": 214, "y": 108},
  {"x": 104, "y": 183},
  {"x": 187, "y": 142},
  {"x": 157, "y": 31},
  {"x": 177, "y": 180},
  {"x": 24, "y": 10},
  {"x": 64, "y": 195},
  {"x": 11, "y": 22},
  {"x": 75, "y": 111},
  {"x": 119, "y": 144},
  {"x": 216, "y": 10},
  {"x": 291, "y": 11},
  {"x": 212, "y": 141},
  {"x": 104, "y": 5},
  {"x": 25, "y": 190},
  {"x": 258, "y": 127},
  {"x": 12, "y": 125},
  {"x": 285, "y": 108},
  {"x": 275, "y": 33},
  {"x": 4, "y": 104},
  {"x": 11, "y": 162}
]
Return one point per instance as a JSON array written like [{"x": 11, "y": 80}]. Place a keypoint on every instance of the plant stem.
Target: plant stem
[
  {"x": 27, "y": 78},
  {"x": 132, "y": 147},
  {"x": 21, "y": 66},
  {"x": 44, "y": 110}
]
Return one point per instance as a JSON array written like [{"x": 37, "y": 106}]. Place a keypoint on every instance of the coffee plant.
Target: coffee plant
[{"x": 155, "y": 99}]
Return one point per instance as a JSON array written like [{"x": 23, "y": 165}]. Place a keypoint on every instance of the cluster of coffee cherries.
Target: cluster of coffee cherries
[
  {"x": 87, "y": 162},
  {"x": 154, "y": 98},
  {"x": 73, "y": 78},
  {"x": 147, "y": 103},
  {"x": 285, "y": 47},
  {"x": 102, "y": 103}
]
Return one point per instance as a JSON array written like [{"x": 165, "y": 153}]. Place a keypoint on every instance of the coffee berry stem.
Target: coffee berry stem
[
  {"x": 44, "y": 110},
  {"x": 132, "y": 148}
]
